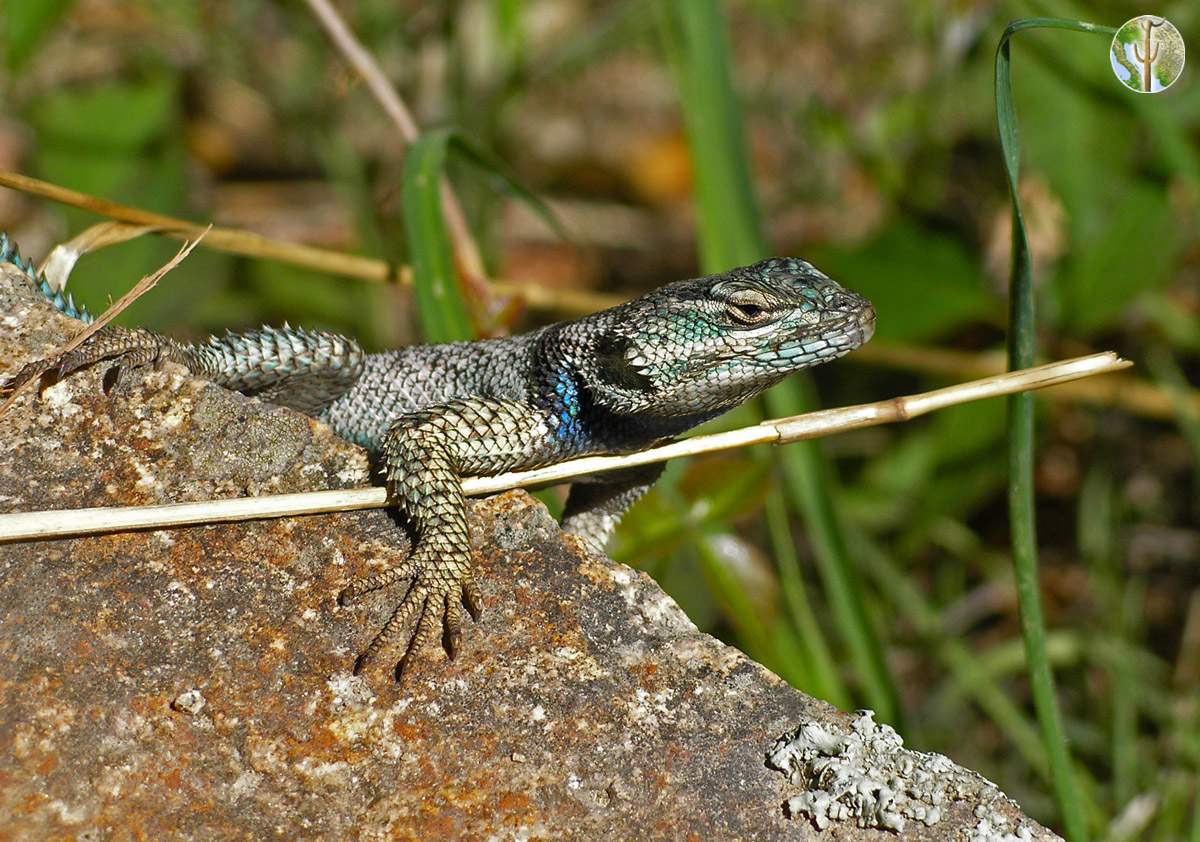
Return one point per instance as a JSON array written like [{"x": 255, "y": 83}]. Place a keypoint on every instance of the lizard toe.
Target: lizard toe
[
  {"x": 452, "y": 621},
  {"x": 413, "y": 602},
  {"x": 427, "y": 627},
  {"x": 28, "y": 372},
  {"x": 471, "y": 598},
  {"x": 373, "y": 583}
]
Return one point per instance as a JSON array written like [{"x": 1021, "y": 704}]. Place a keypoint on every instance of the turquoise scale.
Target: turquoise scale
[{"x": 65, "y": 304}]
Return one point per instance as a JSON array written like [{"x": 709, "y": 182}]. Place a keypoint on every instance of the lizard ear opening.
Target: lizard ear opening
[{"x": 615, "y": 370}]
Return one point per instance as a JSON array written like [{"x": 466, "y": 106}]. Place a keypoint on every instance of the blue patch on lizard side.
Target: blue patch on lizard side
[{"x": 567, "y": 407}]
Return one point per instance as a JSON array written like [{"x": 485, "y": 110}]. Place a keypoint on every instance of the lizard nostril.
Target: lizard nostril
[{"x": 846, "y": 301}]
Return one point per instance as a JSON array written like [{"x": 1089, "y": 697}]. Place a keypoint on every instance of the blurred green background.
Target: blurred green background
[{"x": 869, "y": 133}]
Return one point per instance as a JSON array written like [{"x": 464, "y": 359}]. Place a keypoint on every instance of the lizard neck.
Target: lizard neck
[{"x": 562, "y": 372}]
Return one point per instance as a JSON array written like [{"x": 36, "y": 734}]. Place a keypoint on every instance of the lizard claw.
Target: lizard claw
[
  {"x": 403, "y": 667},
  {"x": 452, "y": 623},
  {"x": 471, "y": 598},
  {"x": 132, "y": 349},
  {"x": 359, "y": 663},
  {"x": 28, "y": 372},
  {"x": 435, "y": 601}
]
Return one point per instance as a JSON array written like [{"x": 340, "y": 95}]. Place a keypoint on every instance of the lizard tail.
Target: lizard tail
[{"x": 62, "y": 301}]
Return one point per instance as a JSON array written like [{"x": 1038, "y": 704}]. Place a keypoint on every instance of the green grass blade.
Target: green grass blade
[
  {"x": 441, "y": 310},
  {"x": 1021, "y": 340},
  {"x": 23, "y": 25},
  {"x": 731, "y": 231},
  {"x": 502, "y": 181},
  {"x": 1097, "y": 524},
  {"x": 806, "y": 478},
  {"x": 964, "y": 667},
  {"x": 826, "y": 681},
  {"x": 693, "y": 34}
]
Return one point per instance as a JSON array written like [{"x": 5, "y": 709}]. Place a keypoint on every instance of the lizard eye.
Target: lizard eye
[{"x": 747, "y": 312}]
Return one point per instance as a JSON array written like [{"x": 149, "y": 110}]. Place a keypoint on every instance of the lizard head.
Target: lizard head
[{"x": 702, "y": 346}]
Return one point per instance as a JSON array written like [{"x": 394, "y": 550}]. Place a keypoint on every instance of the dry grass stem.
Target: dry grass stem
[
  {"x": 56, "y": 268},
  {"x": 465, "y": 250},
  {"x": 25, "y": 526},
  {"x": 248, "y": 244},
  {"x": 1132, "y": 394}
]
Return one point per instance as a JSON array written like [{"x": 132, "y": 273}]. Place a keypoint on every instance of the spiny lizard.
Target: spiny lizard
[{"x": 616, "y": 381}]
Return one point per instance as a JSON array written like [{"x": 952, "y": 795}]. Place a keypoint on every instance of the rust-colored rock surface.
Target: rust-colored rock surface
[{"x": 195, "y": 683}]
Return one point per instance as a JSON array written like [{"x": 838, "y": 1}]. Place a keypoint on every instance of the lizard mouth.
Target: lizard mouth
[
  {"x": 857, "y": 323},
  {"x": 854, "y": 331},
  {"x": 845, "y": 331},
  {"x": 866, "y": 323}
]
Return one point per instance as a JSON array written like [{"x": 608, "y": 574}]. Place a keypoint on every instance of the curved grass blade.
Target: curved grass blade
[{"x": 1021, "y": 341}]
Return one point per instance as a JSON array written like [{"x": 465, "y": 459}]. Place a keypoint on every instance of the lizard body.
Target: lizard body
[{"x": 615, "y": 381}]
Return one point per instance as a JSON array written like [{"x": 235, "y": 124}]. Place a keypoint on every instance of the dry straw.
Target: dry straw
[{"x": 24, "y": 526}]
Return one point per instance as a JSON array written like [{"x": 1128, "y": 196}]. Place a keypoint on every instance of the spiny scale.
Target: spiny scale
[{"x": 65, "y": 304}]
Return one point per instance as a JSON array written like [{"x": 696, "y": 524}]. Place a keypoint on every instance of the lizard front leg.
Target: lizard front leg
[{"x": 425, "y": 454}]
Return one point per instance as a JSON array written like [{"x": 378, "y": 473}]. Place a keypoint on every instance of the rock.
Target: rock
[{"x": 195, "y": 683}]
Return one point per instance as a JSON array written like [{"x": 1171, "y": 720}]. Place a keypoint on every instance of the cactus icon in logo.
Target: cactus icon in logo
[{"x": 1147, "y": 54}]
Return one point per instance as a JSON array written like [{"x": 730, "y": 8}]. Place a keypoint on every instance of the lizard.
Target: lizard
[{"x": 616, "y": 381}]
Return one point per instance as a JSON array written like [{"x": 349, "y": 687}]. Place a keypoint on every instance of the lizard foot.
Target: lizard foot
[
  {"x": 133, "y": 350},
  {"x": 437, "y": 591}
]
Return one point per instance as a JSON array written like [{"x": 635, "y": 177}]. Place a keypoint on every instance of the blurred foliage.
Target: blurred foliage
[
  {"x": 928, "y": 276},
  {"x": 870, "y": 132}
]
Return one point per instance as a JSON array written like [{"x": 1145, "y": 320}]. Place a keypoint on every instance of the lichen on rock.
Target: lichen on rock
[{"x": 866, "y": 776}]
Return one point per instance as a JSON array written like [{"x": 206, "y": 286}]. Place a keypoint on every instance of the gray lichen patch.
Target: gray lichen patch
[
  {"x": 866, "y": 776},
  {"x": 987, "y": 830}
]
